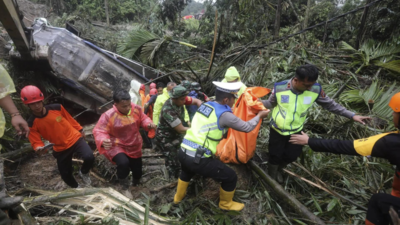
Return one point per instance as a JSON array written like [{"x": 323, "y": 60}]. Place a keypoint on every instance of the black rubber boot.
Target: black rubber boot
[
  {"x": 135, "y": 182},
  {"x": 273, "y": 171}
]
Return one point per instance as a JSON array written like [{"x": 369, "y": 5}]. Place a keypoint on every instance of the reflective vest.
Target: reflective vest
[
  {"x": 205, "y": 130},
  {"x": 364, "y": 146},
  {"x": 289, "y": 115}
]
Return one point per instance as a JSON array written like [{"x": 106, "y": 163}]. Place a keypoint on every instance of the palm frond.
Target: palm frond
[
  {"x": 133, "y": 43},
  {"x": 151, "y": 49},
  {"x": 392, "y": 65},
  {"x": 345, "y": 46}
]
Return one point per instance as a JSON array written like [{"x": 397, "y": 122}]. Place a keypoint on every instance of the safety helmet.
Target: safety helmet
[
  {"x": 153, "y": 85},
  {"x": 153, "y": 91},
  {"x": 31, "y": 94},
  {"x": 142, "y": 87},
  {"x": 395, "y": 102},
  {"x": 195, "y": 86},
  {"x": 186, "y": 84}
]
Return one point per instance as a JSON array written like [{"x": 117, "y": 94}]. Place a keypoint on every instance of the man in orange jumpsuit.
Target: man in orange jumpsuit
[{"x": 55, "y": 124}]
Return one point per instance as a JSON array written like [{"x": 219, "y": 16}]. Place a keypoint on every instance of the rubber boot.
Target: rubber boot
[
  {"x": 226, "y": 203},
  {"x": 273, "y": 171},
  {"x": 135, "y": 182},
  {"x": 279, "y": 174},
  {"x": 396, "y": 185},
  {"x": 125, "y": 187},
  {"x": 368, "y": 223},
  {"x": 180, "y": 191}
]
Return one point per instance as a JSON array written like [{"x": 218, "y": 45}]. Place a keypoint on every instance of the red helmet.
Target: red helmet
[
  {"x": 153, "y": 91},
  {"x": 142, "y": 87},
  {"x": 153, "y": 85},
  {"x": 31, "y": 94}
]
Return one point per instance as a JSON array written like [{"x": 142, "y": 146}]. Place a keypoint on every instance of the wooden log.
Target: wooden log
[
  {"x": 153, "y": 161},
  {"x": 170, "y": 185},
  {"x": 10, "y": 202},
  {"x": 285, "y": 196},
  {"x": 152, "y": 168},
  {"x": 17, "y": 153},
  {"x": 24, "y": 216}
]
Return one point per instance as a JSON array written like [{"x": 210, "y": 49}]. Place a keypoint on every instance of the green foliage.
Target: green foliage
[{"x": 373, "y": 53}]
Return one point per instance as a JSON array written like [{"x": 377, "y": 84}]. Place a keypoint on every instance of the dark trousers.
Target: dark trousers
[
  {"x": 64, "y": 161},
  {"x": 281, "y": 151},
  {"x": 378, "y": 208},
  {"x": 125, "y": 164},
  {"x": 208, "y": 167}
]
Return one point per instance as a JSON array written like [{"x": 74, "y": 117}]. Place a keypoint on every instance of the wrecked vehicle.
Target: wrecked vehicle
[{"x": 90, "y": 74}]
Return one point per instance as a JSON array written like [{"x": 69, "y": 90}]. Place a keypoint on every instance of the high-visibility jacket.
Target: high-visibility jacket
[
  {"x": 205, "y": 130},
  {"x": 289, "y": 115}
]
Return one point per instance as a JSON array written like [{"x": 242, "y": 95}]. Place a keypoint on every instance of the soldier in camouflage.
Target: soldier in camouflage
[
  {"x": 186, "y": 84},
  {"x": 170, "y": 129}
]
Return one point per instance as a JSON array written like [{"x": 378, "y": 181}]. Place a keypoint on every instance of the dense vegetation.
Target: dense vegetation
[{"x": 357, "y": 56}]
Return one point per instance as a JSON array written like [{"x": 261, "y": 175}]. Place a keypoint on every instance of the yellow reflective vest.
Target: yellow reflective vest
[
  {"x": 289, "y": 115},
  {"x": 205, "y": 130}
]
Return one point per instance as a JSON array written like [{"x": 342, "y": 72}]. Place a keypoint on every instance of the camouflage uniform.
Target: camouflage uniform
[{"x": 168, "y": 140}]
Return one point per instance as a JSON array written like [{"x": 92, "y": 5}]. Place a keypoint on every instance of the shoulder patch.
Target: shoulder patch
[
  {"x": 316, "y": 88},
  {"x": 205, "y": 110},
  {"x": 281, "y": 86}
]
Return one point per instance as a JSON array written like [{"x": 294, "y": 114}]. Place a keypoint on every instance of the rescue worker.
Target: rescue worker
[
  {"x": 117, "y": 138},
  {"x": 291, "y": 100},
  {"x": 161, "y": 99},
  {"x": 383, "y": 145},
  {"x": 6, "y": 88},
  {"x": 152, "y": 86},
  {"x": 21, "y": 126},
  {"x": 232, "y": 76},
  {"x": 160, "y": 87},
  {"x": 55, "y": 124},
  {"x": 378, "y": 212},
  {"x": 171, "y": 128},
  {"x": 187, "y": 85},
  {"x": 210, "y": 124},
  {"x": 148, "y": 109},
  {"x": 142, "y": 94},
  {"x": 197, "y": 94}
]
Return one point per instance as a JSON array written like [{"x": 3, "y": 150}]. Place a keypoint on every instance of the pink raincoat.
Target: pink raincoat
[{"x": 122, "y": 130}]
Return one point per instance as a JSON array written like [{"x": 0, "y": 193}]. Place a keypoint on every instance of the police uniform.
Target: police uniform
[
  {"x": 202, "y": 139},
  {"x": 288, "y": 117}
]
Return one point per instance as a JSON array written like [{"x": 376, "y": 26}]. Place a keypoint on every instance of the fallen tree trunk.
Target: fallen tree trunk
[
  {"x": 9, "y": 202},
  {"x": 285, "y": 196},
  {"x": 16, "y": 153}
]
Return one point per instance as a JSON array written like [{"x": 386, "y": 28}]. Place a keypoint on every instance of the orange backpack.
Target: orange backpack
[{"x": 239, "y": 147}]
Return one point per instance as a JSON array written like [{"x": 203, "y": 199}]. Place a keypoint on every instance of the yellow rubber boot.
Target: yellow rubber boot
[
  {"x": 180, "y": 191},
  {"x": 226, "y": 203}
]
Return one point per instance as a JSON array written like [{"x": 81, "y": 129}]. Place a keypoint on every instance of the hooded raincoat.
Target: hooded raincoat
[
  {"x": 6, "y": 87},
  {"x": 231, "y": 75},
  {"x": 122, "y": 130}
]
